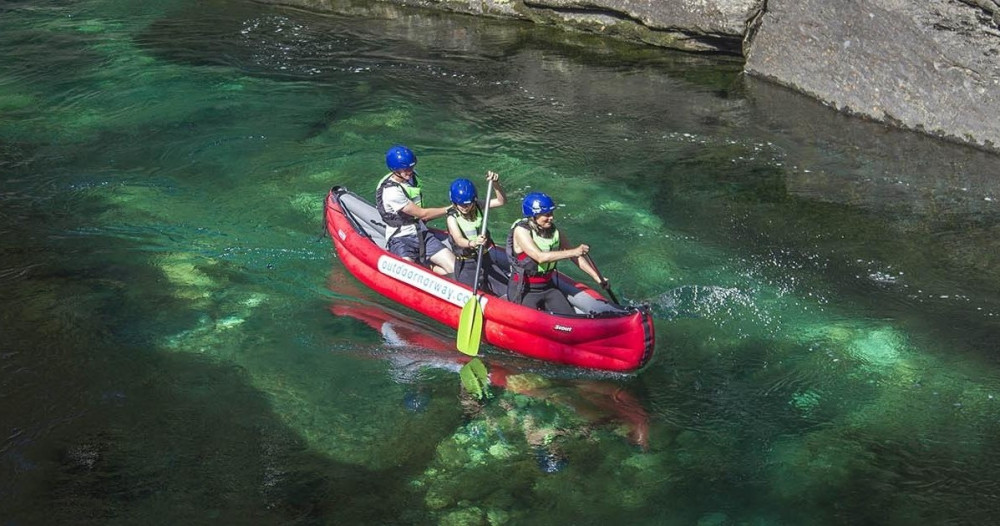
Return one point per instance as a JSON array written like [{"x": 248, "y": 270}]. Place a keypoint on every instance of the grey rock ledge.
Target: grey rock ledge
[{"x": 931, "y": 66}]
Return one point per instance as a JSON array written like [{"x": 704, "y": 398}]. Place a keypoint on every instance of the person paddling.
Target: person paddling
[
  {"x": 534, "y": 246},
  {"x": 465, "y": 226},
  {"x": 398, "y": 201}
]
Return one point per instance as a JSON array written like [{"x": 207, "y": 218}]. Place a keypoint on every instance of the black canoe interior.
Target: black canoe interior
[{"x": 366, "y": 220}]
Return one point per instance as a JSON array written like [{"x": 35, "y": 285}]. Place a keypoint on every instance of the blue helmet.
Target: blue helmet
[
  {"x": 537, "y": 203},
  {"x": 400, "y": 157},
  {"x": 463, "y": 192}
]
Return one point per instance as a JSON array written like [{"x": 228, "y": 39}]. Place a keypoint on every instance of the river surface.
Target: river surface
[{"x": 181, "y": 344}]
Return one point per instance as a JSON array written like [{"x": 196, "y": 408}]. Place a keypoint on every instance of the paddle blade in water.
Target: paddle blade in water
[
  {"x": 470, "y": 327},
  {"x": 475, "y": 379},
  {"x": 470, "y": 382},
  {"x": 479, "y": 369}
]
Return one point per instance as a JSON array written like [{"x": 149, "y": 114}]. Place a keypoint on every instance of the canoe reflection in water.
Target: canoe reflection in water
[{"x": 591, "y": 403}]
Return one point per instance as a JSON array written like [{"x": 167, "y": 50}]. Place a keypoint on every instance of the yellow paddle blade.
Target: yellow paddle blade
[
  {"x": 475, "y": 379},
  {"x": 470, "y": 383},
  {"x": 470, "y": 327},
  {"x": 482, "y": 376}
]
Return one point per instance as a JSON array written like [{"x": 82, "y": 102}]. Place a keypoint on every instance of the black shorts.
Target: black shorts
[{"x": 409, "y": 246}]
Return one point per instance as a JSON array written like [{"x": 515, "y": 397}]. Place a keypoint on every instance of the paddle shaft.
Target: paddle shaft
[
  {"x": 604, "y": 282},
  {"x": 479, "y": 255},
  {"x": 470, "y": 321}
]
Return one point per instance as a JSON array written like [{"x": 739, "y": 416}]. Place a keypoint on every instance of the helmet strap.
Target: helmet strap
[
  {"x": 400, "y": 178},
  {"x": 544, "y": 232}
]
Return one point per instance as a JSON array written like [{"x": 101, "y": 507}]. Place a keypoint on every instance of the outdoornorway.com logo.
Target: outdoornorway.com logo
[{"x": 423, "y": 280}]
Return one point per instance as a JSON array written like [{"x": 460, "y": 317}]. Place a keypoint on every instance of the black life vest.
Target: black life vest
[{"x": 397, "y": 219}]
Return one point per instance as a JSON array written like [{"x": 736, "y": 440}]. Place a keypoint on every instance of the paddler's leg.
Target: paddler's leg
[
  {"x": 440, "y": 263},
  {"x": 498, "y": 271},
  {"x": 441, "y": 256},
  {"x": 556, "y": 302},
  {"x": 406, "y": 247},
  {"x": 547, "y": 298},
  {"x": 465, "y": 271}
]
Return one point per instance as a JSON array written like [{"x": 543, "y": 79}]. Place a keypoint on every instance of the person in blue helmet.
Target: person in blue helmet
[
  {"x": 534, "y": 246},
  {"x": 465, "y": 225},
  {"x": 399, "y": 201}
]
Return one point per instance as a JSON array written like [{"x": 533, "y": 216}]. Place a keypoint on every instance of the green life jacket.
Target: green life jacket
[
  {"x": 397, "y": 219},
  {"x": 545, "y": 244},
  {"x": 470, "y": 229}
]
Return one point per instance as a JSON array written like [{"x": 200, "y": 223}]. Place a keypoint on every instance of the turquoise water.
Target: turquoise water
[{"x": 182, "y": 345}]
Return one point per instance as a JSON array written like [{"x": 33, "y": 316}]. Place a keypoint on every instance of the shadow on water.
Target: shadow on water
[
  {"x": 97, "y": 430},
  {"x": 100, "y": 424}
]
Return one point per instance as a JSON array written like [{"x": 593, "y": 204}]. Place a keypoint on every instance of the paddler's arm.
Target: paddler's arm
[
  {"x": 582, "y": 262},
  {"x": 424, "y": 214},
  {"x": 501, "y": 196}
]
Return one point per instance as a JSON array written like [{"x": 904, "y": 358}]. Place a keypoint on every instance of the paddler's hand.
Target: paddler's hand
[
  {"x": 581, "y": 251},
  {"x": 492, "y": 176}
]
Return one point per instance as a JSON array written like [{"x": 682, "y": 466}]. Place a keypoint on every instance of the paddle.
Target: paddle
[
  {"x": 604, "y": 282},
  {"x": 470, "y": 323},
  {"x": 475, "y": 379}
]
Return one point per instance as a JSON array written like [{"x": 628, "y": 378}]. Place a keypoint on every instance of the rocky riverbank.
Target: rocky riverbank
[{"x": 931, "y": 66}]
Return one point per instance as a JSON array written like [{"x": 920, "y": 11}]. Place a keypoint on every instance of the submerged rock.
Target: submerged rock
[
  {"x": 550, "y": 460},
  {"x": 417, "y": 401}
]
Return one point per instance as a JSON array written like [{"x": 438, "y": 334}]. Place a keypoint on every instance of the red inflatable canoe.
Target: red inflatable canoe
[{"x": 601, "y": 335}]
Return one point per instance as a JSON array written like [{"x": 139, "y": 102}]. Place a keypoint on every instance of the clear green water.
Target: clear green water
[{"x": 181, "y": 344}]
